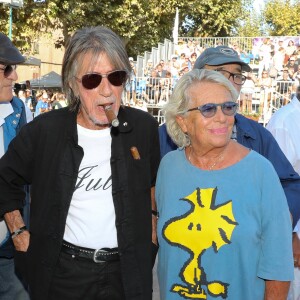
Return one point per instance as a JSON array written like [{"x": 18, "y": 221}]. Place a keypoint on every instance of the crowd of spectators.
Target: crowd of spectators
[
  {"x": 275, "y": 76},
  {"x": 38, "y": 102}
]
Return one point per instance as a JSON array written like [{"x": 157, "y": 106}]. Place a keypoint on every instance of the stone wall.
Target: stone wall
[{"x": 51, "y": 60}]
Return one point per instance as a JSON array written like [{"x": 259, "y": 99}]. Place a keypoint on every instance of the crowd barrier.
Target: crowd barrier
[{"x": 257, "y": 102}]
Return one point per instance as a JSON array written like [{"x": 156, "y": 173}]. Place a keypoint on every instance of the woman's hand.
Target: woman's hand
[
  {"x": 296, "y": 250},
  {"x": 154, "y": 230}
]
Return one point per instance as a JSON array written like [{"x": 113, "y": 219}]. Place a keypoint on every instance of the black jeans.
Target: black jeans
[{"x": 79, "y": 279}]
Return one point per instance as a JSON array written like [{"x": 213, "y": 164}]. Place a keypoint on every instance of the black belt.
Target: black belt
[{"x": 97, "y": 255}]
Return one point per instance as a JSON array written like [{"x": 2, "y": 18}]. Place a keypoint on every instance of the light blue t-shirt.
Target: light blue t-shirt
[{"x": 221, "y": 233}]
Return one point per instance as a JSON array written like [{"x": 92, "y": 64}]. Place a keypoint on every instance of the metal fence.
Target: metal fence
[
  {"x": 245, "y": 44},
  {"x": 256, "y": 101},
  {"x": 248, "y": 46}
]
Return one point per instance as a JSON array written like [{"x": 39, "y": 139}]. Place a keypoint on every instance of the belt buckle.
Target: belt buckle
[{"x": 95, "y": 256}]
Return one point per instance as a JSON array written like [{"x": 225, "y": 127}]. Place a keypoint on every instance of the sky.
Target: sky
[{"x": 258, "y": 5}]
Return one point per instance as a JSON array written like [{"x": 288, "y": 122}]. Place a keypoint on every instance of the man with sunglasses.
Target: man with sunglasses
[
  {"x": 12, "y": 118},
  {"x": 92, "y": 168},
  {"x": 247, "y": 132}
]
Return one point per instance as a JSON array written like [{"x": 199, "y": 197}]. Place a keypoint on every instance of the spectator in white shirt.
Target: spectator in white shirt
[{"x": 285, "y": 127}]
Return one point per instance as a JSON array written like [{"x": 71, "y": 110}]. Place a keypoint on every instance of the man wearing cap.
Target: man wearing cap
[
  {"x": 12, "y": 117},
  {"x": 42, "y": 105},
  {"x": 247, "y": 132}
]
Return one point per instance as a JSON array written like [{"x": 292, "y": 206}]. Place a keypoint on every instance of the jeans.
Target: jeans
[
  {"x": 78, "y": 278},
  {"x": 11, "y": 287}
]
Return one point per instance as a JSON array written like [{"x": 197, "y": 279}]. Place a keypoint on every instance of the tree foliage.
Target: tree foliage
[
  {"x": 210, "y": 17},
  {"x": 141, "y": 23},
  {"x": 282, "y": 17},
  {"x": 250, "y": 22}
]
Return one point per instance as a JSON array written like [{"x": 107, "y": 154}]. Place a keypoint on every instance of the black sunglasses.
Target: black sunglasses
[
  {"x": 92, "y": 80},
  {"x": 238, "y": 79},
  {"x": 208, "y": 110},
  {"x": 8, "y": 70}
]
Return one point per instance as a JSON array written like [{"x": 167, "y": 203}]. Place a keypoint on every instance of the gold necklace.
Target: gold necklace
[{"x": 218, "y": 159}]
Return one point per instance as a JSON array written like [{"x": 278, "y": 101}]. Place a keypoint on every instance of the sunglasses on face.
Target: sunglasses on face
[
  {"x": 92, "y": 80},
  {"x": 238, "y": 79},
  {"x": 8, "y": 70},
  {"x": 208, "y": 110}
]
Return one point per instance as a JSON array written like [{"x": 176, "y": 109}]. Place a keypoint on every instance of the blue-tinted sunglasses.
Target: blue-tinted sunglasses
[{"x": 208, "y": 110}]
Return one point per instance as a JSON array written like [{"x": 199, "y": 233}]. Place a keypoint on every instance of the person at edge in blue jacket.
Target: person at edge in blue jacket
[
  {"x": 12, "y": 118},
  {"x": 247, "y": 132}
]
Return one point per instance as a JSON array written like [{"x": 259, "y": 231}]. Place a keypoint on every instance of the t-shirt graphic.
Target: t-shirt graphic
[{"x": 204, "y": 226}]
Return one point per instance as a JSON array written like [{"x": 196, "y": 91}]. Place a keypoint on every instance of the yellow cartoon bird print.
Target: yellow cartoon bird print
[{"x": 203, "y": 226}]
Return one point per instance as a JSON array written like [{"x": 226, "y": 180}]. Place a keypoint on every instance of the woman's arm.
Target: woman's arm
[{"x": 276, "y": 290}]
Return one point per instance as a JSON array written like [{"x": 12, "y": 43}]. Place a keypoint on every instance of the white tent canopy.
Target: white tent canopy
[
  {"x": 49, "y": 80},
  {"x": 31, "y": 61}
]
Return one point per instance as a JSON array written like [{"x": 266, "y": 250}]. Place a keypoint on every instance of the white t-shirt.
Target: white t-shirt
[
  {"x": 29, "y": 115},
  {"x": 91, "y": 217},
  {"x": 284, "y": 126}
]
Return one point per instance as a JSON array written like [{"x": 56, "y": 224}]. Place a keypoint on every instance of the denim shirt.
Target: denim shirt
[
  {"x": 14, "y": 121},
  {"x": 254, "y": 136}
]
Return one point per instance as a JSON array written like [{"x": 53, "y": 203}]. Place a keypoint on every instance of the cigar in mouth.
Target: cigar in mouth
[{"x": 112, "y": 118}]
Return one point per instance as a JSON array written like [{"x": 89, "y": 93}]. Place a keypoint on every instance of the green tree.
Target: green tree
[
  {"x": 141, "y": 23},
  {"x": 250, "y": 22},
  {"x": 210, "y": 17},
  {"x": 282, "y": 17}
]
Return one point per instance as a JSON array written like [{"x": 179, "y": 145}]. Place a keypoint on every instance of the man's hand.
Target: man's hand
[
  {"x": 21, "y": 241},
  {"x": 14, "y": 222}
]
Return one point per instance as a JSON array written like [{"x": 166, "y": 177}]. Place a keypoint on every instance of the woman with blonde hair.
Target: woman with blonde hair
[{"x": 224, "y": 227}]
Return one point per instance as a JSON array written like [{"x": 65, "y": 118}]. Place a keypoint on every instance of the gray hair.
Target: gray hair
[
  {"x": 94, "y": 40},
  {"x": 179, "y": 100}
]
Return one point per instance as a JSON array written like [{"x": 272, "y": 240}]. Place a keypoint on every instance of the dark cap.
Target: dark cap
[
  {"x": 221, "y": 55},
  {"x": 9, "y": 54}
]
